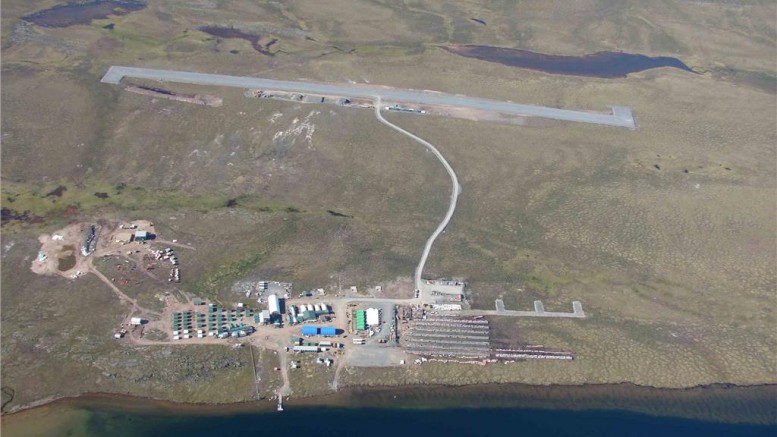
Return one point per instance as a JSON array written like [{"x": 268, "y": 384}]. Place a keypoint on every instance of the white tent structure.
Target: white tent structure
[
  {"x": 273, "y": 304},
  {"x": 373, "y": 317}
]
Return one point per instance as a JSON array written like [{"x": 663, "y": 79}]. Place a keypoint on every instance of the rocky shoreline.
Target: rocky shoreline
[{"x": 756, "y": 404}]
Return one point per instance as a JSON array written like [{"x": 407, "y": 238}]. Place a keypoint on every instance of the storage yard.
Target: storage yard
[
  {"x": 469, "y": 338},
  {"x": 448, "y": 337}
]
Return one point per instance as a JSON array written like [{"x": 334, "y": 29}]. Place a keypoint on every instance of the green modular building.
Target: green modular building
[{"x": 361, "y": 320}]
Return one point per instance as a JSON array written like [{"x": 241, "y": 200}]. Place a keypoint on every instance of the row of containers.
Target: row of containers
[
  {"x": 213, "y": 320},
  {"x": 326, "y": 331}
]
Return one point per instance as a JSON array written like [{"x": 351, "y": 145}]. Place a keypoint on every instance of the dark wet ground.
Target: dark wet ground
[
  {"x": 71, "y": 14},
  {"x": 57, "y": 191},
  {"x": 8, "y": 215},
  {"x": 337, "y": 214},
  {"x": 602, "y": 64},
  {"x": 66, "y": 263},
  {"x": 232, "y": 33}
]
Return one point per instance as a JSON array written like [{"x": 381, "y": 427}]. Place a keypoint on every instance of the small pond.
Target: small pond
[
  {"x": 71, "y": 14},
  {"x": 602, "y": 64}
]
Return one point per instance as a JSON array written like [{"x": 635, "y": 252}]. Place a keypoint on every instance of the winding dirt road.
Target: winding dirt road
[{"x": 454, "y": 193}]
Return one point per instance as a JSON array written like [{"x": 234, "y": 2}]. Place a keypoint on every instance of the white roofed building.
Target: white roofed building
[
  {"x": 373, "y": 317},
  {"x": 273, "y": 304}
]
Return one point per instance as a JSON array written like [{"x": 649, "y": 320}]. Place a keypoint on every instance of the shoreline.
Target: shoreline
[{"x": 755, "y": 404}]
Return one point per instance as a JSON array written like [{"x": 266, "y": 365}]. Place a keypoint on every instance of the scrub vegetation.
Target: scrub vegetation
[{"x": 665, "y": 233}]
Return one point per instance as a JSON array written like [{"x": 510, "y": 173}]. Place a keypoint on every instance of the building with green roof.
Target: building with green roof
[{"x": 361, "y": 320}]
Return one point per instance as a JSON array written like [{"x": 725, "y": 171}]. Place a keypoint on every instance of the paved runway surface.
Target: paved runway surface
[{"x": 621, "y": 116}]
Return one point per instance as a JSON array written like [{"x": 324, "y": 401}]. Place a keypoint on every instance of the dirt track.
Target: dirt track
[{"x": 456, "y": 189}]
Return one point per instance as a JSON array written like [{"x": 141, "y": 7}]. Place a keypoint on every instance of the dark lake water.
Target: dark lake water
[
  {"x": 325, "y": 421},
  {"x": 602, "y": 64},
  {"x": 231, "y": 32},
  {"x": 70, "y": 14}
]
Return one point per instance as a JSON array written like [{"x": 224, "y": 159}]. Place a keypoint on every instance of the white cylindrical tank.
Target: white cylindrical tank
[
  {"x": 317, "y": 307},
  {"x": 293, "y": 310},
  {"x": 273, "y": 304}
]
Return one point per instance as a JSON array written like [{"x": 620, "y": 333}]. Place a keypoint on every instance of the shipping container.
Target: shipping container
[{"x": 309, "y": 330}]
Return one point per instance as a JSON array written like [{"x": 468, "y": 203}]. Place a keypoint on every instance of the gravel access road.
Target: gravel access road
[
  {"x": 621, "y": 116},
  {"x": 454, "y": 194}
]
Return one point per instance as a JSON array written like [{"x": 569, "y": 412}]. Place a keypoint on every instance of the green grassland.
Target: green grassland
[{"x": 665, "y": 233}]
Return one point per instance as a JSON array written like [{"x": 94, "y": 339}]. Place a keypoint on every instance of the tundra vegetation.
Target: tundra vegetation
[{"x": 666, "y": 233}]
